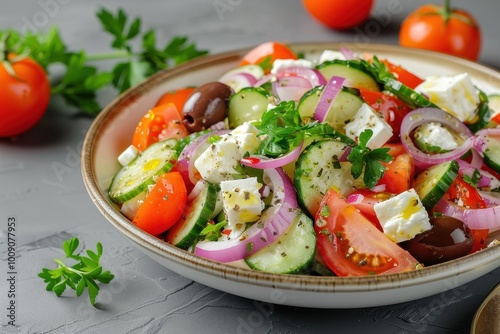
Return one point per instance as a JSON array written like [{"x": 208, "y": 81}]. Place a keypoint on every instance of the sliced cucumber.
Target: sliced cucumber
[
  {"x": 344, "y": 108},
  {"x": 194, "y": 219},
  {"x": 247, "y": 105},
  {"x": 291, "y": 252},
  {"x": 434, "y": 182},
  {"x": 308, "y": 102},
  {"x": 408, "y": 95},
  {"x": 134, "y": 178},
  {"x": 494, "y": 103},
  {"x": 354, "y": 73},
  {"x": 492, "y": 153},
  {"x": 318, "y": 169}
]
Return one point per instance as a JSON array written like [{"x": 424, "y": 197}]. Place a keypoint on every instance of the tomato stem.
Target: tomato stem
[{"x": 447, "y": 11}]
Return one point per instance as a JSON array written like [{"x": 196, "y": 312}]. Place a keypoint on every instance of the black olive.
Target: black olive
[
  {"x": 207, "y": 105},
  {"x": 448, "y": 239}
]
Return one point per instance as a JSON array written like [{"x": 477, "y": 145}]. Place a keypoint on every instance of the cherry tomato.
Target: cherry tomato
[
  {"x": 392, "y": 108},
  {"x": 177, "y": 97},
  {"x": 24, "y": 95},
  {"x": 266, "y": 53},
  {"x": 351, "y": 246},
  {"x": 442, "y": 29},
  {"x": 339, "y": 14},
  {"x": 161, "y": 122},
  {"x": 465, "y": 195},
  {"x": 163, "y": 206}
]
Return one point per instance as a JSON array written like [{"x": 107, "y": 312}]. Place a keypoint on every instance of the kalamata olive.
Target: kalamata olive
[
  {"x": 448, "y": 239},
  {"x": 206, "y": 106}
]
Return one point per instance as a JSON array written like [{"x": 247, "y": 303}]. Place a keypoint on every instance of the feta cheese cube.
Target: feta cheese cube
[
  {"x": 328, "y": 55},
  {"x": 280, "y": 64},
  {"x": 242, "y": 203},
  {"x": 436, "y": 135},
  {"x": 403, "y": 216},
  {"x": 220, "y": 160},
  {"x": 454, "y": 94},
  {"x": 367, "y": 118}
]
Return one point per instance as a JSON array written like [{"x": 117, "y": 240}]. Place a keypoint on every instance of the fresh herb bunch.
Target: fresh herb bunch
[
  {"x": 364, "y": 158},
  {"x": 83, "y": 274},
  {"x": 81, "y": 80}
]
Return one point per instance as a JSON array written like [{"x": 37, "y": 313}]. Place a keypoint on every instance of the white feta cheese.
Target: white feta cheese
[
  {"x": 403, "y": 216},
  {"x": 128, "y": 155},
  {"x": 279, "y": 64},
  {"x": 329, "y": 55},
  {"x": 218, "y": 161},
  {"x": 367, "y": 118},
  {"x": 434, "y": 134},
  {"x": 455, "y": 94},
  {"x": 242, "y": 203}
]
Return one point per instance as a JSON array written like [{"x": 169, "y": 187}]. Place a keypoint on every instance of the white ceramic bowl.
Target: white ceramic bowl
[{"x": 111, "y": 133}]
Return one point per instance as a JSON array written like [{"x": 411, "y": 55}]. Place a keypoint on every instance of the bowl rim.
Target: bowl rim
[{"x": 318, "y": 284}]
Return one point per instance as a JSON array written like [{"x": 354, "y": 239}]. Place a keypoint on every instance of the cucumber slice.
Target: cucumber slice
[
  {"x": 434, "y": 182},
  {"x": 408, "y": 95},
  {"x": 355, "y": 74},
  {"x": 308, "y": 102},
  {"x": 134, "y": 178},
  {"x": 247, "y": 105},
  {"x": 494, "y": 103},
  {"x": 194, "y": 219},
  {"x": 318, "y": 169},
  {"x": 344, "y": 108},
  {"x": 492, "y": 153},
  {"x": 291, "y": 252}
]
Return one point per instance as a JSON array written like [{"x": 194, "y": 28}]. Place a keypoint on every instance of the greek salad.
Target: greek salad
[{"x": 342, "y": 164}]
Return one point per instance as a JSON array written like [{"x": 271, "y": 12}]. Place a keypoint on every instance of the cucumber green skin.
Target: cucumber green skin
[
  {"x": 291, "y": 252},
  {"x": 434, "y": 182},
  {"x": 315, "y": 173},
  {"x": 408, "y": 95},
  {"x": 354, "y": 72},
  {"x": 140, "y": 182},
  {"x": 343, "y": 109},
  {"x": 195, "y": 217},
  {"x": 247, "y": 105},
  {"x": 492, "y": 153}
]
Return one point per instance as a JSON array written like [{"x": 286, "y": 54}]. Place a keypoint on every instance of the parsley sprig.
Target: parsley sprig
[
  {"x": 283, "y": 130},
  {"x": 79, "y": 276},
  {"x": 81, "y": 80},
  {"x": 368, "y": 160}
]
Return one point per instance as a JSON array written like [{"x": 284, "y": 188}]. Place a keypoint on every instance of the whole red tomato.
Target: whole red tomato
[
  {"x": 24, "y": 94},
  {"x": 339, "y": 14},
  {"x": 442, "y": 29}
]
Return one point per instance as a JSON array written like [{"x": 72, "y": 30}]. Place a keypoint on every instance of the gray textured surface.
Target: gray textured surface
[{"x": 50, "y": 206}]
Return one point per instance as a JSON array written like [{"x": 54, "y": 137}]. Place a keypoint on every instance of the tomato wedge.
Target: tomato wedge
[
  {"x": 368, "y": 198},
  {"x": 399, "y": 172},
  {"x": 163, "y": 206},
  {"x": 266, "y": 53},
  {"x": 351, "y": 246},
  {"x": 403, "y": 75},
  {"x": 480, "y": 238},
  {"x": 161, "y": 122},
  {"x": 177, "y": 97},
  {"x": 465, "y": 195}
]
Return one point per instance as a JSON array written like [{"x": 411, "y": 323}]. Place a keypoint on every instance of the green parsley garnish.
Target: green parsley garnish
[
  {"x": 83, "y": 274},
  {"x": 212, "y": 232},
  {"x": 364, "y": 158},
  {"x": 80, "y": 80}
]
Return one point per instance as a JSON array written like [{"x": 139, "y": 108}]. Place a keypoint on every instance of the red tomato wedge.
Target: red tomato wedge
[
  {"x": 480, "y": 238},
  {"x": 163, "y": 206},
  {"x": 464, "y": 194},
  {"x": 266, "y": 53},
  {"x": 177, "y": 97},
  {"x": 399, "y": 173},
  {"x": 403, "y": 75},
  {"x": 351, "y": 246},
  {"x": 392, "y": 108},
  {"x": 161, "y": 122},
  {"x": 365, "y": 200}
]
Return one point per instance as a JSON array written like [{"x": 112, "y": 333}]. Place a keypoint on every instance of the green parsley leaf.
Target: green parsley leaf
[
  {"x": 364, "y": 159},
  {"x": 212, "y": 232},
  {"x": 80, "y": 275}
]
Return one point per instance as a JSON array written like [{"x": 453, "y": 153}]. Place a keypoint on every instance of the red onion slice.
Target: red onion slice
[
  {"x": 468, "y": 169},
  {"x": 314, "y": 77},
  {"x": 347, "y": 53},
  {"x": 420, "y": 116},
  {"x": 480, "y": 138},
  {"x": 330, "y": 92},
  {"x": 274, "y": 221},
  {"x": 486, "y": 218},
  {"x": 263, "y": 162}
]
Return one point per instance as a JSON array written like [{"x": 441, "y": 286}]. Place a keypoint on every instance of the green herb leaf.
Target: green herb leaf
[
  {"x": 364, "y": 159},
  {"x": 80, "y": 275}
]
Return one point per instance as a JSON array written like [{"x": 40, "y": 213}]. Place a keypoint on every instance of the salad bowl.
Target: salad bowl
[{"x": 112, "y": 130}]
